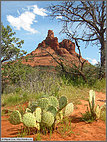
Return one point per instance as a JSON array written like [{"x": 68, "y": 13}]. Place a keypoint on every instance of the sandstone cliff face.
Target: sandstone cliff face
[
  {"x": 66, "y": 49},
  {"x": 50, "y": 41},
  {"x": 50, "y": 34}
]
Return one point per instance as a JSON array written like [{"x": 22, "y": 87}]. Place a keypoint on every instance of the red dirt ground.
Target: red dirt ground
[{"x": 95, "y": 131}]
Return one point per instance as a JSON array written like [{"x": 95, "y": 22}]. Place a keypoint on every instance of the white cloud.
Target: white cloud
[
  {"x": 93, "y": 61},
  {"x": 58, "y": 17},
  {"x": 24, "y": 21},
  {"x": 39, "y": 11},
  {"x": 27, "y": 18}
]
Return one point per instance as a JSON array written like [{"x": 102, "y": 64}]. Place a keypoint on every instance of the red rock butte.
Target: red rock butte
[{"x": 41, "y": 57}]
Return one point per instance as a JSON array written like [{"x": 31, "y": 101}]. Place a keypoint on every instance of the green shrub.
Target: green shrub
[
  {"x": 87, "y": 117},
  {"x": 91, "y": 74},
  {"x": 24, "y": 77},
  {"x": 100, "y": 85}
]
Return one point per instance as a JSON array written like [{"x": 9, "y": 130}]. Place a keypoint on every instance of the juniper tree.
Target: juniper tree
[{"x": 10, "y": 45}]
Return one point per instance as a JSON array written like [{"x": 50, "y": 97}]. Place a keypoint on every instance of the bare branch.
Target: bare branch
[{"x": 83, "y": 21}]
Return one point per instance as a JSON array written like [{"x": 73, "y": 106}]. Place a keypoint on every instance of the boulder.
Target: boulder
[{"x": 68, "y": 45}]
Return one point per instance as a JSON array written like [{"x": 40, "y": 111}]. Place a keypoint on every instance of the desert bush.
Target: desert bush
[
  {"x": 16, "y": 77},
  {"x": 13, "y": 73},
  {"x": 100, "y": 85},
  {"x": 41, "y": 81},
  {"x": 91, "y": 73}
]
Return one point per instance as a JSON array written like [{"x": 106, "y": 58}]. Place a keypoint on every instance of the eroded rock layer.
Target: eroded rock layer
[{"x": 41, "y": 56}]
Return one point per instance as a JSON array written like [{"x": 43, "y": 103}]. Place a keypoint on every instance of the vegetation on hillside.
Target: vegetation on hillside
[{"x": 23, "y": 83}]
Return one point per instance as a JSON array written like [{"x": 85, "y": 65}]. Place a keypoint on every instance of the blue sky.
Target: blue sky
[{"x": 30, "y": 21}]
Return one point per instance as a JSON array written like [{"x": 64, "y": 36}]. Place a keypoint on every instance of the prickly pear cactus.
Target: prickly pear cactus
[
  {"x": 15, "y": 117},
  {"x": 53, "y": 101},
  {"x": 43, "y": 113},
  {"x": 69, "y": 109},
  {"x": 53, "y": 110},
  {"x": 37, "y": 114},
  {"x": 97, "y": 111},
  {"x": 43, "y": 103},
  {"x": 29, "y": 120},
  {"x": 48, "y": 118},
  {"x": 62, "y": 102}
]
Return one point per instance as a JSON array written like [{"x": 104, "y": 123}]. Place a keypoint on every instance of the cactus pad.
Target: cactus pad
[
  {"x": 69, "y": 109},
  {"x": 43, "y": 103},
  {"x": 53, "y": 110},
  {"x": 37, "y": 114},
  {"x": 48, "y": 118},
  {"x": 15, "y": 117},
  {"x": 53, "y": 101},
  {"x": 62, "y": 102},
  {"x": 29, "y": 120}
]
